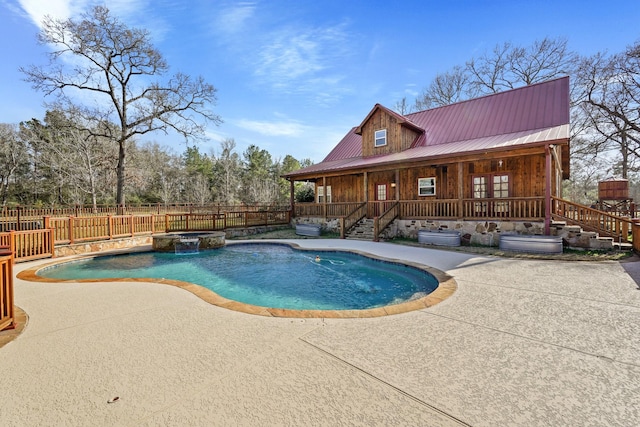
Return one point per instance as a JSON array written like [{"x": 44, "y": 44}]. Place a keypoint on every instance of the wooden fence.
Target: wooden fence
[
  {"x": 40, "y": 243},
  {"x": 7, "y": 317},
  {"x": 31, "y": 218}
]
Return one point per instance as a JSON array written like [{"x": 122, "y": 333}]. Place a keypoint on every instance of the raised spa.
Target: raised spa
[{"x": 171, "y": 242}]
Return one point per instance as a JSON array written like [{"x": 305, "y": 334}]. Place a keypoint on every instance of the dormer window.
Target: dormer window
[{"x": 380, "y": 138}]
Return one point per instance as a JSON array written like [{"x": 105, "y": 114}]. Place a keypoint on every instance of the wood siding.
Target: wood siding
[
  {"x": 526, "y": 179},
  {"x": 346, "y": 188},
  {"x": 399, "y": 138}
]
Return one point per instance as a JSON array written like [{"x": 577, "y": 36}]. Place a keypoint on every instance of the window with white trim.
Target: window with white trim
[
  {"x": 500, "y": 186},
  {"x": 491, "y": 186},
  {"x": 480, "y": 191},
  {"x": 381, "y": 192},
  {"x": 427, "y": 186},
  {"x": 380, "y": 138},
  {"x": 320, "y": 194}
]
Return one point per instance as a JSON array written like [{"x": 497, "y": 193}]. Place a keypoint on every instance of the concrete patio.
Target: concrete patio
[{"x": 520, "y": 343}]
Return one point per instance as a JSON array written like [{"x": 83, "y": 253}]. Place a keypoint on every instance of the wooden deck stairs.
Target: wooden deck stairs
[
  {"x": 362, "y": 230},
  {"x": 589, "y": 228},
  {"x": 576, "y": 237}
]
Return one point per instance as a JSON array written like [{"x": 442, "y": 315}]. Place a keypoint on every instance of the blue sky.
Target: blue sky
[{"x": 293, "y": 77}]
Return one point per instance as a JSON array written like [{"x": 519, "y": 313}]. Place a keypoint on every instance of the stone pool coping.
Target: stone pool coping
[{"x": 446, "y": 287}]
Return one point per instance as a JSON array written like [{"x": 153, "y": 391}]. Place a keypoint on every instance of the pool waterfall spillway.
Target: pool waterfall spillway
[
  {"x": 190, "y": 242},
  {"x": 187, "y": 246}
]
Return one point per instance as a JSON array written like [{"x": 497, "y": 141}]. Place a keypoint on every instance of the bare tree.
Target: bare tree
[
  {"x": 488, "y": 72},
  {"x": 13, "y": 155},
  {"x": 610, "y": 102},
  {"x": 403, "y": 107},
  {"x": 446, "y": 88},
  {"x": 100, "y": 56},
  {"x": 228, "y": 168},
  {"x": 508, "y": 66}
]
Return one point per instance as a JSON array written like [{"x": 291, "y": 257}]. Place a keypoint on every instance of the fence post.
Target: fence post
[
  {"x": 18, "y": 224},
  {"x": 52, "y": 242},
  {"x": 342, "y": 227},
  {"x": 110, "y": 226},
  {"x": 635, "y": 234},
  {"x": 131, "y": 226},
  {"x": 71, "y": 233},
  {"x": 7, "y": 313},
  {"x": 12, "y": 243},
  {"x": 166, "y": 223}
]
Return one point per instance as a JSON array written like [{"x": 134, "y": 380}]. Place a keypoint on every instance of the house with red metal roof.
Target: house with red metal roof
[{"x": 482, "y": 166}]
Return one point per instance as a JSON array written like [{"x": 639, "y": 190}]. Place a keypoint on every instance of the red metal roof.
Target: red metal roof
[
  {"x": 527, "y": 115},
  {"x": 479, "y": 145}
]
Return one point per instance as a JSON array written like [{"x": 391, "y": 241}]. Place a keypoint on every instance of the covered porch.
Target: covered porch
[{"x": 490, "y": 186}]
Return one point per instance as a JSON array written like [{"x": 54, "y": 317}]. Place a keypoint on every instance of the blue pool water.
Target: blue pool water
[{"x": 269, "y": 275}]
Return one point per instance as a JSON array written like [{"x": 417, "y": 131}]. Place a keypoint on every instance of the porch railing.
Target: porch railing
[
  {"x": 326, "y": 210},
  {"x": 604, "y": 223},
  {"x": 521, "y": 208},
  {"x": 444, "y": 208}
]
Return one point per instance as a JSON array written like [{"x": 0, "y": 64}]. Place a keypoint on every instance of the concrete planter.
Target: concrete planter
[
  {"x": 308, "y": 229},
  {"x": 439, "y": 237},
  {"x": 531, "y": 243}
]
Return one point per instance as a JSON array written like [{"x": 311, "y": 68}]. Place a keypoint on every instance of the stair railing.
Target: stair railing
[
  {"x": 381, "y": 222},
  {"x": 348, "y": 221},
  {"x": 603, "y": 223}
]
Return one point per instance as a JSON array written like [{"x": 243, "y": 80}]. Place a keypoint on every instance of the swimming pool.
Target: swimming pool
[{"x": 268, "y": 275}]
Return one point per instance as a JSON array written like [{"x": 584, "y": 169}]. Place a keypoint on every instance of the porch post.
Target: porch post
[
  {"x": 397, "y": 180},
  {"x": 366, "y": 184},
  {"x": 547, "y": 190},
  {"x": 366, "y": 192},
  {"x": 460, "y": 190},
  {"x": 292, "y": 201},
  {"x": 324, "y": 197}
]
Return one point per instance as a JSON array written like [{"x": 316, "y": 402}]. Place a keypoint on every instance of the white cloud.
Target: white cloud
[
  {"x": 38, "y": 9},
  {"x": 289, "y": 129},
  {"x": 305, "y": 61},
  {"x": 233, "y": 19}
]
